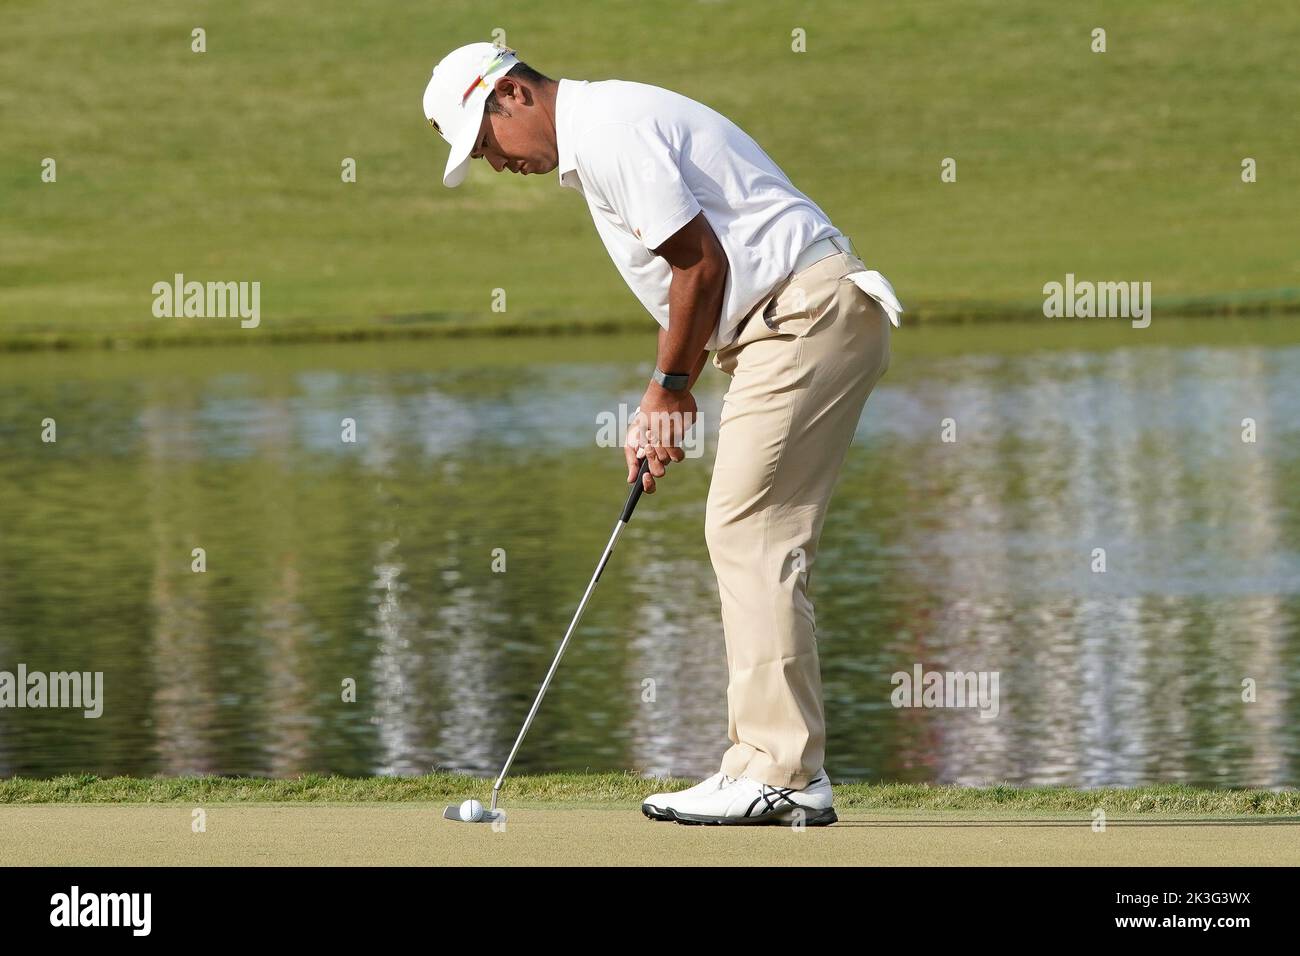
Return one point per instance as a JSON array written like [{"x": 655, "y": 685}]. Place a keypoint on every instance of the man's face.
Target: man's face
[{"x": 522, "y": 142}]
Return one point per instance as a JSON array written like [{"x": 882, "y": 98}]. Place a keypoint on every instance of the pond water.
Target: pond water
[{"x": 379, "y": 561}]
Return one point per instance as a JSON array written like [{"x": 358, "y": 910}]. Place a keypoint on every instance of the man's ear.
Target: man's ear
[{"x": 512, "y": 89}]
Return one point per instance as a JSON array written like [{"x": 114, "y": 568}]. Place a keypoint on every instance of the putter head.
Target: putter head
[{"x": 489, "y": 816}]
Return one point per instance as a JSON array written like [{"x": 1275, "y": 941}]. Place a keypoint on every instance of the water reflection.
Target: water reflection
[{"x": 375, "y": 561}]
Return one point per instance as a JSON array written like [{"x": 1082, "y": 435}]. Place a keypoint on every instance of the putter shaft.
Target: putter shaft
[{"x": 632, "y": 499}]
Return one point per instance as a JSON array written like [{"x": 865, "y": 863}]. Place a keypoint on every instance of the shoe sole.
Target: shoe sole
[
  {"x": 814, "y": 818},
  {"x": 654, "y": 813}
]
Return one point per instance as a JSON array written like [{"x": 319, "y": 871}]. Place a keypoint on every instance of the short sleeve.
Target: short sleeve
[{"x": 636, "y": 172}]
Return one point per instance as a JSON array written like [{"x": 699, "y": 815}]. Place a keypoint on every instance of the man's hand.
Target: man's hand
[{"x": 656, "y": 432}]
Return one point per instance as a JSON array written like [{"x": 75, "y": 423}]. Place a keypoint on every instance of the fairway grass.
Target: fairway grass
[
  {"x": 226, "y": 165},
  {"x": 614, "y": 790}
]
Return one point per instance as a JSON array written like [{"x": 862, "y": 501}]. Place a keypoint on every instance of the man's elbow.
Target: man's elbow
[
  {"x": 710, "y": 269},
  {"x": 717, "y": 266}
]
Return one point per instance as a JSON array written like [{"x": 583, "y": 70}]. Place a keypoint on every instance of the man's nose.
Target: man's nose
[{"x": 498, "y": 163}]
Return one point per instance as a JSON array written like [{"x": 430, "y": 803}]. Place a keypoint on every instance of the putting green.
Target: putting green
[{"x": 414, "y": 834}]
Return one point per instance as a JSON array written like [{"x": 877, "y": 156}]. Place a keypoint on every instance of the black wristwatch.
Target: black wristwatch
[{"x": 674, "y": 383}]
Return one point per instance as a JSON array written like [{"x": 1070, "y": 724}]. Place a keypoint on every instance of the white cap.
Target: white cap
[{"x": 454, "y": 98}]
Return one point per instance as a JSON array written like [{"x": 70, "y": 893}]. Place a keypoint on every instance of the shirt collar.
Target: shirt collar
[{"x": 566, "y": 107}]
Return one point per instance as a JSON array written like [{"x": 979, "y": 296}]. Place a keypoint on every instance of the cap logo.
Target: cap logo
[{"x": 488, "y": 68}]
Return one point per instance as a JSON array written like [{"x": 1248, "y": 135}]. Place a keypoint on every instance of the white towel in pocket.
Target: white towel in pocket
[{"x": 878, "y": 287}]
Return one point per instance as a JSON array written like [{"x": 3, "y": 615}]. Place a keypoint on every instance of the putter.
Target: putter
[{"x": 494, "y": 813}]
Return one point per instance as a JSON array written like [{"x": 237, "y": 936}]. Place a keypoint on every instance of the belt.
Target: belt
[
  {"x": 872, "y": 283},
  {"x": 822, "y": 249}
]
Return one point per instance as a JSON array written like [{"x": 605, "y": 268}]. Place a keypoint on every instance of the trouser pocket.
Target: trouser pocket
[{"x": 801, "y": 304}]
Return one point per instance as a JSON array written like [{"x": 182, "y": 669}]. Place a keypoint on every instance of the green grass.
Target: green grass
[
  {"x": 225, "y": 165},
  {"x": 625, "y": 788}
]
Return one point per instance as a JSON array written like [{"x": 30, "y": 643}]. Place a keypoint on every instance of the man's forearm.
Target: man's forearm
[
  {"x": 694, "y": 304},
  {"x": 694, "y": 368},
  {"x": 699, "y": 367}
]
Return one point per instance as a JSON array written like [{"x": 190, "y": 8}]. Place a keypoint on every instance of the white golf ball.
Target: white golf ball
[{"x": 471, "y": 811}]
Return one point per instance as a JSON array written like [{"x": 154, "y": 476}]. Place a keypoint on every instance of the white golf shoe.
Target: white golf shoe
[
  {"x": 746, "y": 802},
  {"x": 659, "y": 806}
]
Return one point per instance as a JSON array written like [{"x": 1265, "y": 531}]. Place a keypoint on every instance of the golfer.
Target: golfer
[{"x": 730, "y": 259}]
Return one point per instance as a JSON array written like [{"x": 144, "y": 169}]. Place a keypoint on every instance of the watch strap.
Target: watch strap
[{"x": 671, "y": 381}]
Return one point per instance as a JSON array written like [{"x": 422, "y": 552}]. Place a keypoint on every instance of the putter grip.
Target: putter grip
[{"x": 637, "y": 489}]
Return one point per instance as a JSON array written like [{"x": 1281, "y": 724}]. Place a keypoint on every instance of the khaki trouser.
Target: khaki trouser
[{"x": 801, "y": 369}]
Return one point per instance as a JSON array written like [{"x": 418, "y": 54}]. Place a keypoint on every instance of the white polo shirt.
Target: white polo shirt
[{"x": 649, "y": 161}]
